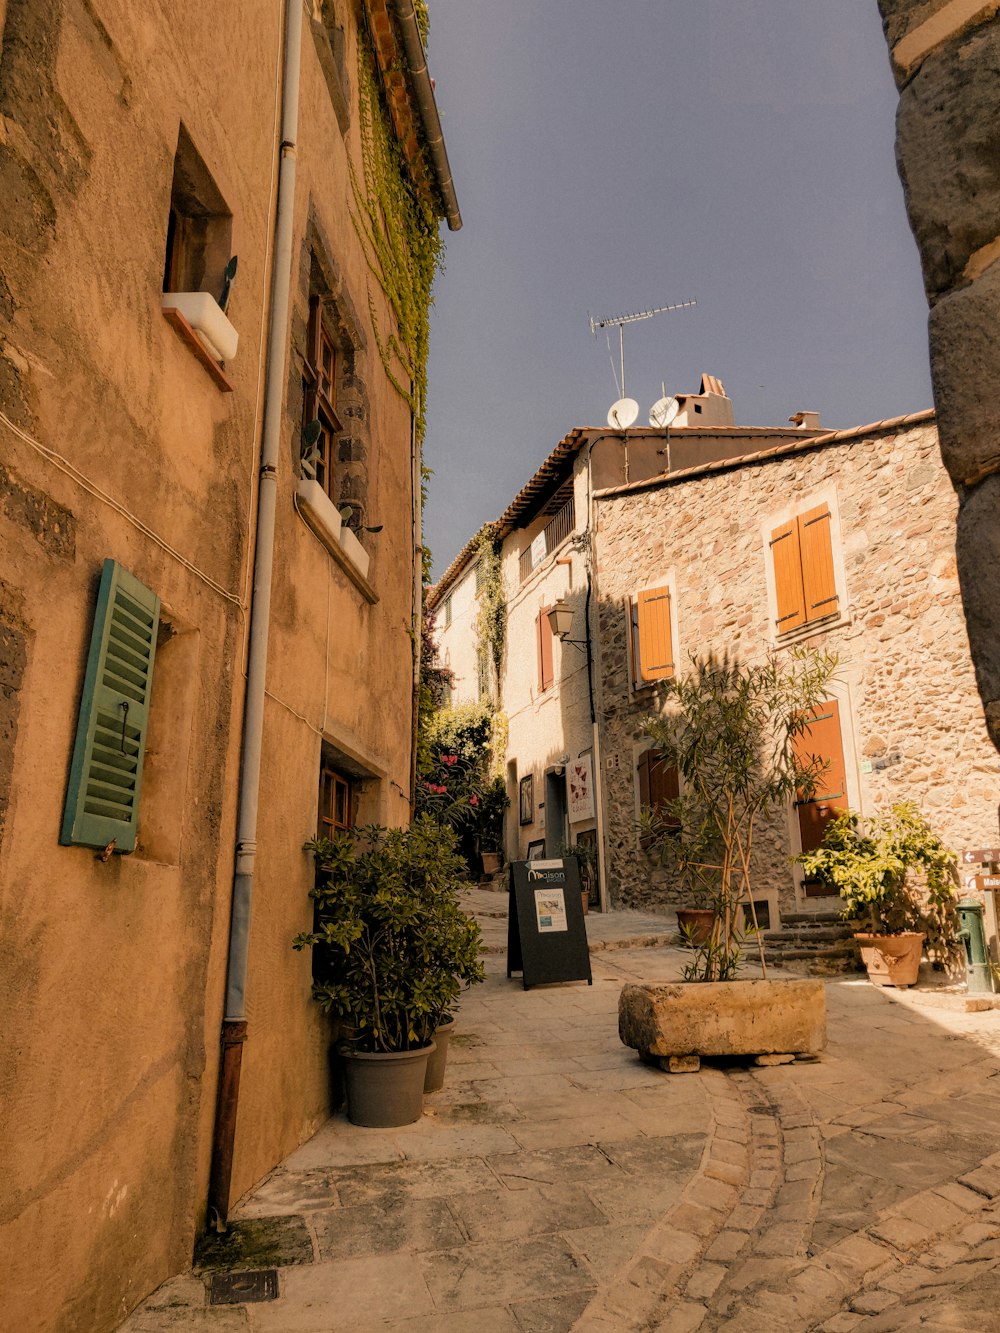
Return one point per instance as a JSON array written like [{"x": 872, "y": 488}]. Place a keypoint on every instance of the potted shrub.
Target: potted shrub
[
  {"x": 732, "y": 730},
  {"x": 492, "y": 807},
  {"x": 586, "y": 858},
  {"x": 897, "y": 879},
  {"x": 395, "y": 951}
]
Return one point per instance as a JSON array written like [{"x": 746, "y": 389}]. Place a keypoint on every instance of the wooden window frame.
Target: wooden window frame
[
  {"x": 319, "y": 394},
  {"x": 333, "y": 783},
  {"x": 197, "y": 245}
]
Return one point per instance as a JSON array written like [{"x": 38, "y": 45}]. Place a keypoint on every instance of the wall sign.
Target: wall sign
[
  {"x": 580, "y": 780},
  {"x": 546, "y": 931},
  {"x": 983, "y": 856},
  {"x": 526, "y": 799}
]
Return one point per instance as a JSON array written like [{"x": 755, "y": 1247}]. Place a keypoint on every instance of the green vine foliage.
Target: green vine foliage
[
  {"x": 423, "y": 20},
  {"x": 399, "y": 233},
  {"x": 491, "y": 619},
  {"x": 893, "y": 873}
]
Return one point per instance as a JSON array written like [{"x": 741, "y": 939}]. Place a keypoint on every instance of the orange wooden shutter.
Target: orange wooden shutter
[
  {"x": 545, "y": 673},
  {"x": 824, "y": 741},
  {"x": 788, "y": 577},
  {"x": 643, "y": 770},
  {"x": 818, "y": 580},
  {"x": 664, "y": 783},
  {"x": 656, "y": 656}
]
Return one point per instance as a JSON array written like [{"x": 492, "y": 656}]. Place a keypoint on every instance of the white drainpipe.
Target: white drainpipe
[{"x": 234, "y": 1026}]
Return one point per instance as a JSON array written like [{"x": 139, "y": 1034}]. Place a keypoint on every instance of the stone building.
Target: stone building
[
  {"x": 209, "y": 524},
  {"x": 549, "y": 686},
  {"x": 845, "y": 543}
]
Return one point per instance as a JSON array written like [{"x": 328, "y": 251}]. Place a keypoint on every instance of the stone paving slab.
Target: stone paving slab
[{"x": 558, "y": 1183}]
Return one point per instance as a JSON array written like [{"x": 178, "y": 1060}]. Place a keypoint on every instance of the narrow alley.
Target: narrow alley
[{"x": 557, "y": 1183}]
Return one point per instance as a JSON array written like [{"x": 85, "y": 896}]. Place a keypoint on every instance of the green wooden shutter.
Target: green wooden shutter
[{"x": 102, "y": 800}]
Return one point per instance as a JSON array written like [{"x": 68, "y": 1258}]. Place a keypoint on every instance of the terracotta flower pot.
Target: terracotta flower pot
[
  {"x": 891, "y": 960},
  {"x": 695, "y": 923},
  {"x": 385, "y": 1088}
]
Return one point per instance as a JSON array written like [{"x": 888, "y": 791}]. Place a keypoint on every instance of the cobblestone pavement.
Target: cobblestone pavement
[{"x": 556, "y": 1183}]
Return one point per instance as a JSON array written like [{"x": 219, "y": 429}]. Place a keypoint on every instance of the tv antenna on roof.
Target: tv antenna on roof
[{"x": 619, "y": 322}]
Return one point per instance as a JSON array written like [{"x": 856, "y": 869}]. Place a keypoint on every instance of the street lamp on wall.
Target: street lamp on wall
[{"x": 561, "y": 620}]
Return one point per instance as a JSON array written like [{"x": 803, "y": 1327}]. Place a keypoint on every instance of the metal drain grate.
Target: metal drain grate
[{"x": 244, "y": 1288}]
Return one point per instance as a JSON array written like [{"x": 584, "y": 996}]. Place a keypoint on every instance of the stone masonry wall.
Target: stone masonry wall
[{"x": 905, "y": 686}]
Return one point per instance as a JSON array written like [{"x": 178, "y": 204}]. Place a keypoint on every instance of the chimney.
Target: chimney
[{"x": 806, "y": 420}]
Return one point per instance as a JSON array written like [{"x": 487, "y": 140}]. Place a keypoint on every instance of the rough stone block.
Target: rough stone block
[
  {"x": 682, "y": 1064},
  {"x": 724, "y": 1017},
  {"x": 978, "y": 549},
  {"x": 965, "y": 359},
  {"x": 946, "y": 147}
]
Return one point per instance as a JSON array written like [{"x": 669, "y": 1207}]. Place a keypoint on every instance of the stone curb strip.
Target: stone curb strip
[{"x": 731, "y": 1255}]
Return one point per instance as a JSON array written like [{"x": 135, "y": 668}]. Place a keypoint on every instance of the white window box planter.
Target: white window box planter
[
  {"x": 204, "y": 314},
  {"x": 354, "y": 551},
  {"x": 319, "y": 512},
  {"x": 323, "y": 517}
]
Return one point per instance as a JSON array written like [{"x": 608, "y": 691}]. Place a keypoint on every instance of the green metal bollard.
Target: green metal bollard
[{"x": 979, "y": 975}]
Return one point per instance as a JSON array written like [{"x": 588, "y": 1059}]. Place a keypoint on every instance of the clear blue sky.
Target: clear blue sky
[{"x": 613, "y": 155}]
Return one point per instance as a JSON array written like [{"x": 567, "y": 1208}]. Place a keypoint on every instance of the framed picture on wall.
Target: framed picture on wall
[
  {"x": 526, "y": 791},
  {"x": 536, "y": 850}
]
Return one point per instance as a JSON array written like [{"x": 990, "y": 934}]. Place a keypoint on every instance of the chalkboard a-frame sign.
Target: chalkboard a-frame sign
[{"x": 546, "y": 932}]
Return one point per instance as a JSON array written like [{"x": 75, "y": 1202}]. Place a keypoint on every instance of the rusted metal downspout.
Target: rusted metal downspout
[
  {"x": 234, "y": 1025},
  {"x": 423, "y": 91}
]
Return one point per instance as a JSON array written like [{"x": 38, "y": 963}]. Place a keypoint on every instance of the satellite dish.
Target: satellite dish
[
  {"x": 623, "y": 413},
  {"x": 663, "y": 412}
]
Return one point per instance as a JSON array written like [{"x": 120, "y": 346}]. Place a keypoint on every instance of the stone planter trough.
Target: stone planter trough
[{"x": 724, "y": 1018}]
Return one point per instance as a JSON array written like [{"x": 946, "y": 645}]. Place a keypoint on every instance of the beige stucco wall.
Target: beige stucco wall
[
  {"x": 112, "y": 975},
  {"x": 457, "y": 638},
  {"x": 545, "y": 725},
  {"x": 905, "y": 682}
]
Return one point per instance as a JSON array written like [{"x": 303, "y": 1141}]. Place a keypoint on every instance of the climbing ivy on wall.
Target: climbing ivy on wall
[
  {"x": 399, "y": 233},
  {"x": 491, "y": 619},
  {"x": 423, "y": 22}
]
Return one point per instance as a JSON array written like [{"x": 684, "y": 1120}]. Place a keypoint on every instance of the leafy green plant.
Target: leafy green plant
[
  {"x": 398, "y": 230},
  {"x": 586, "y": 855},
  {"x": 893, "y": 873},
  {"x": 732, "y": 730},
  {"x": 395, "y": 947},
  {"x": 491, "y": 618}
]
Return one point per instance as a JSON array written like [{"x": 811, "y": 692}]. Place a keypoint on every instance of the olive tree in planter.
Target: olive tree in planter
[
  {"x": 898, "y": 879},
  {"x": 734, "y": 732},
  {"x": 396, "y": 950}
]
